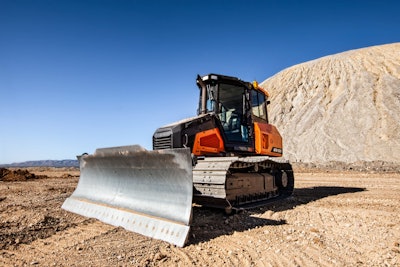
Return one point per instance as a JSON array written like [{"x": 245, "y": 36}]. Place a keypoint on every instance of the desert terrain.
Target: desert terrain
[
  {"x": 339, "y": 116},
  {"x": 334, "y": 218}
]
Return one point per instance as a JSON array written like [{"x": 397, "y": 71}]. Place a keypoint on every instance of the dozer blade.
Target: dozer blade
[{"x": 147, "y": 192}]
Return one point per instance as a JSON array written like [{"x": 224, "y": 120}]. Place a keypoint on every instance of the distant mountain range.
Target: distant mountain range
[{"x": 44, "y": 163}]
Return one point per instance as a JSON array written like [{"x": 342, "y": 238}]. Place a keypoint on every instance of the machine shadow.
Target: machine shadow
[
  {"x": 209, "y": 223},
  {"x": 302, "y": 196}
]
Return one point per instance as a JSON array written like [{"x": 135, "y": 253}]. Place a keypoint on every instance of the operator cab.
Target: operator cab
[{"x": 237, "y": 104}]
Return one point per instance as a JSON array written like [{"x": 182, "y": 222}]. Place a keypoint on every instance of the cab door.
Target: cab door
[{"x": 231, "y": 105}]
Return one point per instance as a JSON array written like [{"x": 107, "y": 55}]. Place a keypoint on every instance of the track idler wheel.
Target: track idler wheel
[{"x": 282, "y": 180}]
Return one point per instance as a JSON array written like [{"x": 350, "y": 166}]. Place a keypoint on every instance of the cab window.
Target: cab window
[
  {"x": 230, "y": 112},
  {"x": 259, "y": 104}
]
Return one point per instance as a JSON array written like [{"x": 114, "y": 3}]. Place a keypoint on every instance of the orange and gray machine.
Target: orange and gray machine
[{"x": 228, "y": 156}]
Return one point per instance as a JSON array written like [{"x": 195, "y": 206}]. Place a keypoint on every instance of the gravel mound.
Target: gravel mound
[
  {"x": 17, "y": 175},
  {"x": 340, "y": 108}
]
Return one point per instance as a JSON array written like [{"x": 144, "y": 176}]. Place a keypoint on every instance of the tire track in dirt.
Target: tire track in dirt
[
  {"x": 329, "y": 221},
  {"x": 295, "y": 246},
  {"x": 319, "y": 230},
  {"x": 62, "y": 241},
  {"x": 189, "y": 258},
  {"x": 347, "y": 221},
  {"x": 241, "y": 250}
]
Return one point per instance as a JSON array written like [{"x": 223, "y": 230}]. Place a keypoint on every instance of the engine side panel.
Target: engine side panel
[
  {"x": 268, "y": 141},
  {"x": 183, "y": 133},
  {"x": 209, "y": 141}
]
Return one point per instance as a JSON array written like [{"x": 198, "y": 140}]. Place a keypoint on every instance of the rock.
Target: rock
[{"x": 159, "y": 256}]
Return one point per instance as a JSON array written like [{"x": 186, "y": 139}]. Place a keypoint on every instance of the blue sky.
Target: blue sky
[{"x": 79, "y": 75}]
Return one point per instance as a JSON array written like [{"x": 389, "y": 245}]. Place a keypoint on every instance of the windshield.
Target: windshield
[
  {"x": 231, "y": 98},
  {"x": 226, "y": 100}
]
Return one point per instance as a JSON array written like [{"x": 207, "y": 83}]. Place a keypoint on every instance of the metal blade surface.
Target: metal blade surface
[{"x": 148, "y": 192}]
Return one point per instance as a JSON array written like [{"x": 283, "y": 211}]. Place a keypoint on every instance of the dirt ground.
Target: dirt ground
[{"x": 333, "y": 219}]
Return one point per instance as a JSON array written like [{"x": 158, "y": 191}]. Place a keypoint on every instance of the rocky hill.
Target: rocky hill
[
  {"x": 340, "y": 108},
  {"x": 44, "y": 163}
]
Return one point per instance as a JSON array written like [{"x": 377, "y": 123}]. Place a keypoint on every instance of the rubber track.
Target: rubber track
[{"x": 209, "y": 178}]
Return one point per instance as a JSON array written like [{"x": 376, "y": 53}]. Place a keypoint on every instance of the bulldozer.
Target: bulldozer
[{"x": 228, "y": 156}]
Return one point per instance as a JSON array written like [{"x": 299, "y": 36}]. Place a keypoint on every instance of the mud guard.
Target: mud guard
[{"x": 147, "y": 192}]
